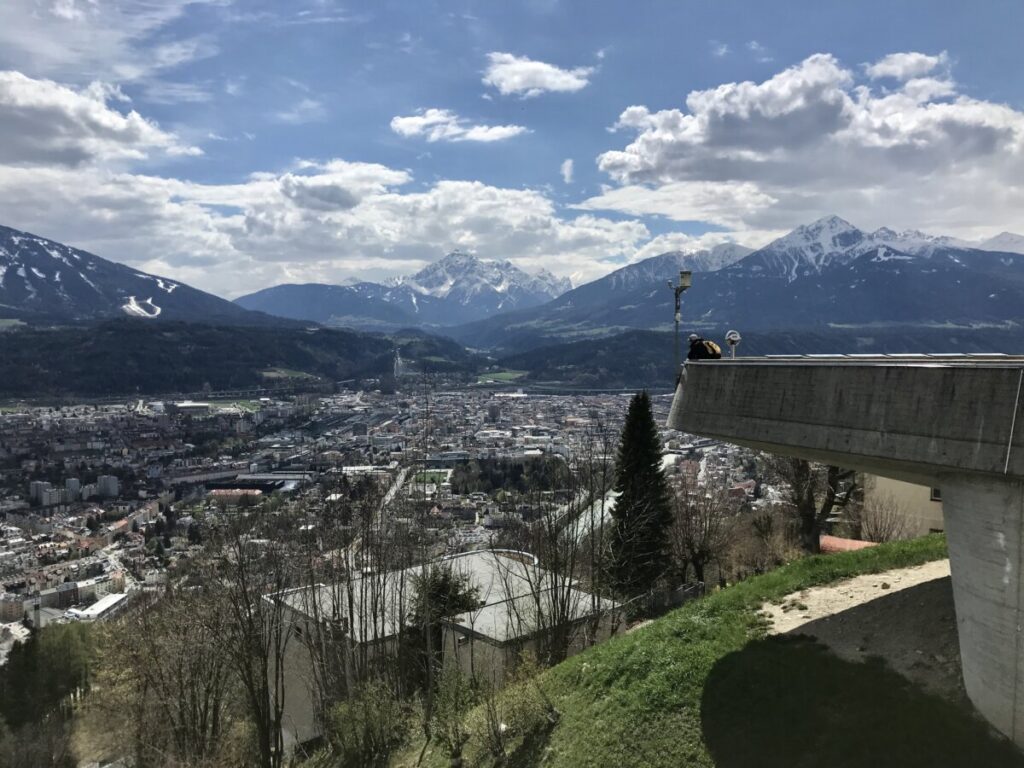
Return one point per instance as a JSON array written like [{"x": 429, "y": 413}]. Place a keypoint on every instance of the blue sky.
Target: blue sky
[{"x": 239, "y": 144}]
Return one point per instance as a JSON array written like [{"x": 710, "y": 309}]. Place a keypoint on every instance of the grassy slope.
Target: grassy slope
[{"x": 703, "y": 687}]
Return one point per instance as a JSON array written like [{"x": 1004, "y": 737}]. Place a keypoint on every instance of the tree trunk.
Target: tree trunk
[{"x": 810, "y": 532}]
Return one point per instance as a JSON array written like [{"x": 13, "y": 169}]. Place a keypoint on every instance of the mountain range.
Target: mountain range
[
  {"x": 827, "y": 274},
  {"x": 824, "y": 276},
  {"x": 459, "y": 288}
]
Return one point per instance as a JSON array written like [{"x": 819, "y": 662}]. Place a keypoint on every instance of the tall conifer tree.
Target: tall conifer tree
[{"x": 642, "y": 512}]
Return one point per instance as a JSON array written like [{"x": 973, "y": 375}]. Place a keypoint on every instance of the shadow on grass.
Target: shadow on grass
[
  {"x": 532, "y": 749},
  {"x": 787, "y": 701}
]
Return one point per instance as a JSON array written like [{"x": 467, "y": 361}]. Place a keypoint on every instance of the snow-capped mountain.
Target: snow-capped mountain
[
  {"x": 1005, "y": 242},
  {"x": 812, "y": 248},
  {"x": 807, "y": 250},
  {"x": 656, "y": 269},
  {"x": 459, "y": 288},
  {"x": 465, "y": 279},
  {"x": 915, "y": 241},
  {"x": 821, "y": 274},
  {"x": 46, "y": 281}
]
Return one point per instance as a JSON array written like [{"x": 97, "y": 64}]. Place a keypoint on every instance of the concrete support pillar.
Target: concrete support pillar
[{"x": 983, "y": 519}]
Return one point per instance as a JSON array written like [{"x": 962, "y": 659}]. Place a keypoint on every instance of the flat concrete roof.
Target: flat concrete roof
[{"x": 910, "y": 417}]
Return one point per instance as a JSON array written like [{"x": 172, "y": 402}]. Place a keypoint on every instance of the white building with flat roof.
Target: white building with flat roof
[{"x": 103, "y": 608}]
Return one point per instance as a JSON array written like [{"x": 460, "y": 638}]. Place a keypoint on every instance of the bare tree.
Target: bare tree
[
  {"x": 816, "y": 492},
  {"x": 568, "y": 544},
  {"x": 167, "y": 671},
  {"x": 256, "y": 572},
  {"x": 880, "y": 517},
  {"x": 357, "y": 599},
  {"x": 702, "y": 526}
]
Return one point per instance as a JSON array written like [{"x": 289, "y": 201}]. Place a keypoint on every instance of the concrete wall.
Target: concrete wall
[
  {"x": 485, "y": 659},
  {"x": 911, "y": 422},
  {"x": 984, "y": 524},
  {"x": 921, "y": 511}
]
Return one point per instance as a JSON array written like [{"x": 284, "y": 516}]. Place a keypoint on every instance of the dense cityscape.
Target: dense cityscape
[{"x": 100, "y": 500}]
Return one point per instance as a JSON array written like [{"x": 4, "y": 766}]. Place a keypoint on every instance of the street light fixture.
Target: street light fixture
[
  {"x": 685, "y": 281},
  {"x": 733, "y": 339}
]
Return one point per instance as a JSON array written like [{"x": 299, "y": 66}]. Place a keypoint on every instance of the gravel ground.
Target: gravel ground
[{"x": 905, "y": 616}]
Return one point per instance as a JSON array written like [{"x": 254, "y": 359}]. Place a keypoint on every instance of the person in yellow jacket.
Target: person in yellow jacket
[{"x": 703, "y": 349}]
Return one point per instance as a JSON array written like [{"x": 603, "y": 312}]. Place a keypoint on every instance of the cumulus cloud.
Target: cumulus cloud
[
  {"x": 566, "y": 170},
  {"x": 903, "y": 66},
  {"x": 445, "y": 125},
  {"x": 43, "y": 122},
  {"x": 813, "y": 139},
  {"x": 314, "y": 222},
  {"x": 519, "y": 75}
]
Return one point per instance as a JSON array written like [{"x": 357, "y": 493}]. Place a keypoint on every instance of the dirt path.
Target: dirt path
[{"x": 904, "y": 616}]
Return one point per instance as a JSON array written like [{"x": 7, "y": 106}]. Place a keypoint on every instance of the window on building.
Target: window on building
[{"x": 936, "y": 494}]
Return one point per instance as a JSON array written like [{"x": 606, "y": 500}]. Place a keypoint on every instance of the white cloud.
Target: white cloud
[
  {"x": 903, "y": 66},
  {"x": 760, "y": 53},
  {"x": 566, "y": 170},
  {"x": 723, "y": 203},
  {"x": 719, "y": 49},
  {"x": 315, "y": 222},
  {"x": 812, "y": 140},
  {"x": 305, "y": 110},
  {"x": 83, "y": 40},
  {"x": 525, "y": 77},
  {"x": 45, "y": 123},
  {"x": 163, "y": 92},
  {"x": 445, "y": 125}
]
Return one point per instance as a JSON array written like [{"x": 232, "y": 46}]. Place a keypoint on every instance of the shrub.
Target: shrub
[{"x": 367, "y": 728}]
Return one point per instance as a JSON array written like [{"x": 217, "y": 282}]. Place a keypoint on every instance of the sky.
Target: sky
[{"x": 238, "y": 144}]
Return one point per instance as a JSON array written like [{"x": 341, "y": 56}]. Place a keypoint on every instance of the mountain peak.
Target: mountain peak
[
  {"x": 1007, "y": 242},
  {"x": 458, "y": 257},
  {"x": 830, "y": 223},
  {"x": 468, "y": 280},
  {"x": 808, "y": 249}
]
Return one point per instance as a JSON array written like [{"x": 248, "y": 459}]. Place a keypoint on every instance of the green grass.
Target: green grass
[
  {"x": 704, "y": 686},
  {"x": 501, "y": 377},
  {"x": 437, "y": 477}
]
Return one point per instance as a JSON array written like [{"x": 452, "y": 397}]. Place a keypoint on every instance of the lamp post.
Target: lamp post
[{"x": 685, "y": 281}]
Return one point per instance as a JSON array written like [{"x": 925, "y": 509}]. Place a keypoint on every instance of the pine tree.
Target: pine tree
[{"x": 642, "y": 512}]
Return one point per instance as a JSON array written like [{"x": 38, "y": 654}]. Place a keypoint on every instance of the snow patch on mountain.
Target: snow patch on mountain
[{"x": 145, "y": 308}]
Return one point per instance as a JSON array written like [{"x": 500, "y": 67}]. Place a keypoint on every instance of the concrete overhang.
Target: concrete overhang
[{"x": 912, "y": 417}]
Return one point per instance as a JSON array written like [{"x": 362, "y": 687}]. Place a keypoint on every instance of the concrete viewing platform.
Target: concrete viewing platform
[{"x": 948, "y": 421}]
